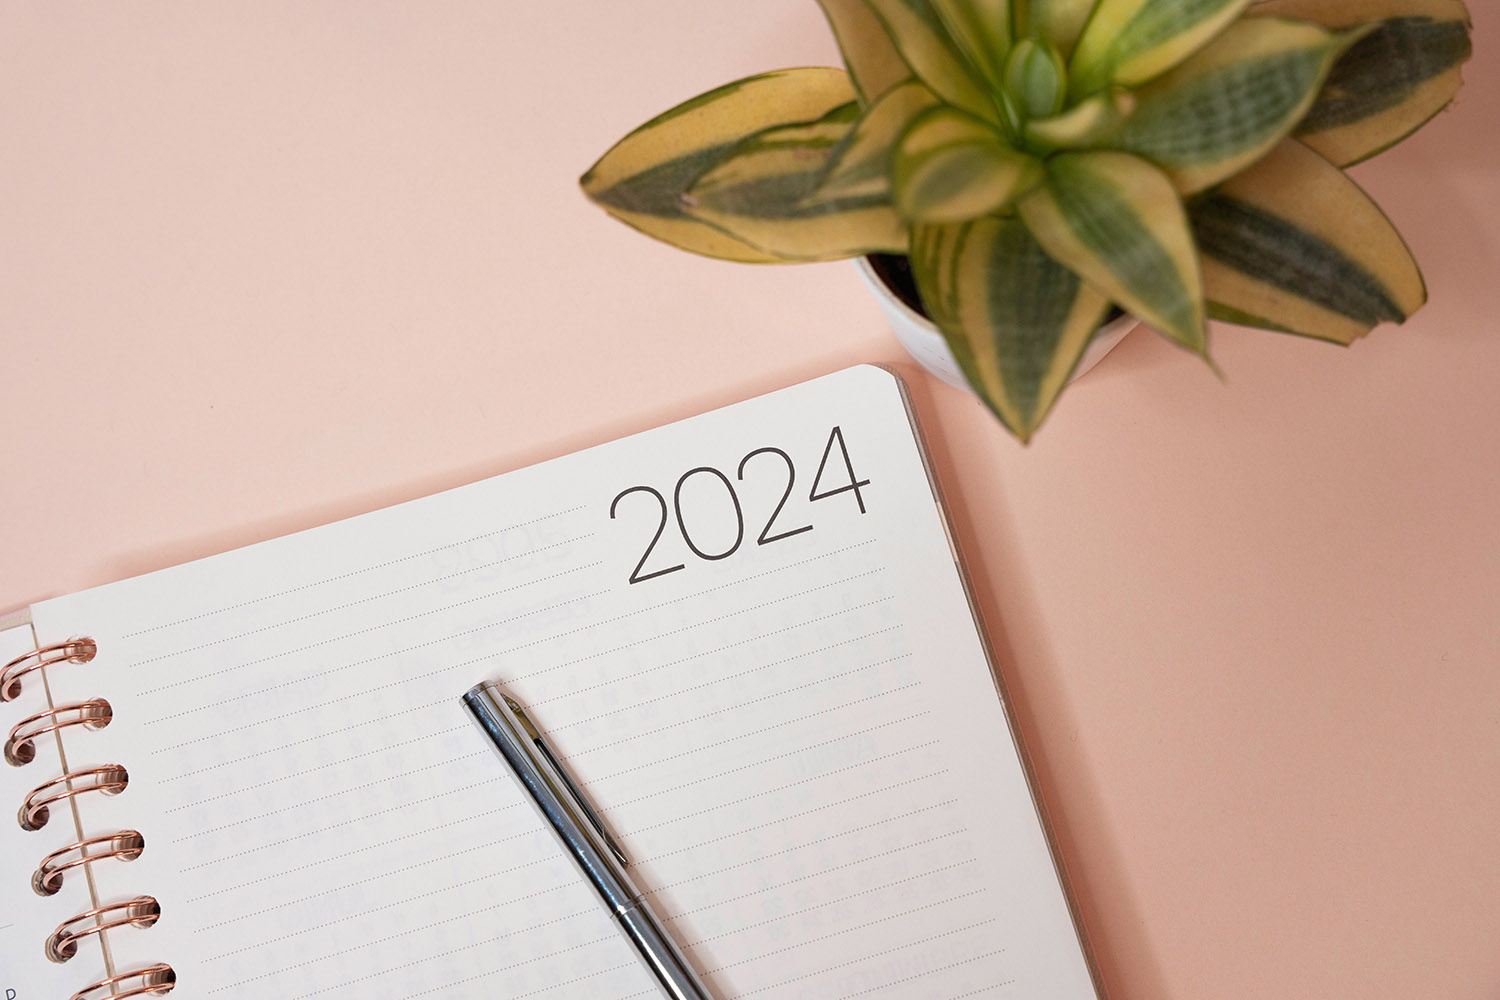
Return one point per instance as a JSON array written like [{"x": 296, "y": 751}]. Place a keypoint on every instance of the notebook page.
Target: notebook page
[
  {"x": 776, "y": 696},
  {"x": 26, "y": 919}
]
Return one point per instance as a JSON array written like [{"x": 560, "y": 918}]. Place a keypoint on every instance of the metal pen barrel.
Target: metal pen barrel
[{"x": 570, "y": 819}]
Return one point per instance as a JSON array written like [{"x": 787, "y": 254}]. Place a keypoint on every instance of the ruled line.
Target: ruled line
[
  {"x": 984, "y": 989},
  {"x": 759, "y": 762},
  {"x": 705, "y": 746},
  {"x": 931, "y": 972},
  {"x": 789, "y": 785},
  {"x": 529, "y": 993},
  {"x": 752, "y": 701},
  {"x": 357, "y": 572},
  {"x": 847, "y": 930},
  {"x": 195, "y": 678},
  {"x": 708, "y": 683},
  {"x": 280, "y": 622},
  {"x": 759, "y": 858},
  {"x": 882, "y": 954},
  {"x": 426, "y": 927},
  {"x": 408, "y": 678},
  {"x": 383, "y": 779},
  {"x": 547, "y": 857},
  {"x": 309, "y": 739},
  {"x": 292, "y": 807},
  {"x": 350, "y": 885},
  {"x": 821, "y": 873},
  {"x": 380, "y": 749},
  {"x": 425, "y": 831},
  {"x": 454, "y": 951},
  {"x": 218, "y": 703},
  {"x": 829, "y": 902},
  {"x": 241, "y": 852}
]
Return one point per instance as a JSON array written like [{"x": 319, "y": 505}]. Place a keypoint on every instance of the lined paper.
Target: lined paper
[{"x": 794, "y": 735}]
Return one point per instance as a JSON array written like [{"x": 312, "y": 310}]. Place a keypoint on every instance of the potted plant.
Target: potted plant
[{"x": 1038, "y": 163}]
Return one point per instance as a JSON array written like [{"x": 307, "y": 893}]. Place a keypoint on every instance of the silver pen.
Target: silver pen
[{"x": 567, "y": 812}]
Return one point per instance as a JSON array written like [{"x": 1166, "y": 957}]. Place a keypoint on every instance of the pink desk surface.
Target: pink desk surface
[{"x": 266, "y": 265}]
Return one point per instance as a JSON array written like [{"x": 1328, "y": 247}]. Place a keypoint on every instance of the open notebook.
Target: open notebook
[{"x": 746, "y": 632}]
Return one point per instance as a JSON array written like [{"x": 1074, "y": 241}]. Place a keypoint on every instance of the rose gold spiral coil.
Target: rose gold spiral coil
[
  {"x": 72, "y": 651},
  {"x": 110, "y": 779},
  {"x": 20, "y": 748},
  {"x": 62, "y": 944},
  {"x": 155, "y": 980},
  {"x": 126, "y": 845}
]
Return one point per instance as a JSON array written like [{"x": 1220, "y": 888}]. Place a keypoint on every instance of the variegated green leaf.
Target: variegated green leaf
[
  {"x": 1128, "y": 42},
  {"x": 923, "y": 42},
  {"x": 1057, "y": 22},
  {"x": 1087, "y": 123},
  {"x": 950, "y": 166},
  {"x": 1391, "y": 81},
  {"x": 641, "y": 180},
  {"x": 874, "y": 64},
  {"x": 981, "y": 31},
  {"x": 1293, "y": 244},
  {"x": 1117, "y": 221},
  {"x": 861, "y": 165},
  {"x": 1228, "y": 105},
  {"x": 1016, "y": 320},
  {"x": 762, "y": 194}
]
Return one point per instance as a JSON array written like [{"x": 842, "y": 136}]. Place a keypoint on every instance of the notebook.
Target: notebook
[{"x": 746, "y": 632}]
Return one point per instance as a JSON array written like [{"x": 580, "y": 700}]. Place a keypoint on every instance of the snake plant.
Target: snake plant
[{"x": 1040, "y": 161}]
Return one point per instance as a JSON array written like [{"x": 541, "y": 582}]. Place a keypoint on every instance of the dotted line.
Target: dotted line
[
  {"x": 782, "y": 788},
  {"x": 324, "y": 829},
  {"x": 357, "y": 572},
  {"x": 817, "y": 874},
  {"x": 331, "y": 795},
  {"x": 716, "y": 680},
  {"x": 756, "y": 763},
  {"x": 366, "y": 600},
  {"x": 393, "y": 937},
  {"x": 847, "y": 930},
  {"x": 707, "y": 746},
  {"x": 349, "y": 854},
  {"x": 283, "y": 747},
  {"x": 899, "y": 947},
  {"x": 984, "y": 989},
  {"x": 295, "y": 743},
  {"x": 705, "y": 621},
  {"x": 933, "y": 972},
  {"x": 532, "y": 993},
  {"x": 354, "y": 788},
  {"x": 799, "y": 847},
  {"x": 371, "y": 909},
  {"x": 732, "y": 708},
  {"x": 376, "y": 878},
  {"x": 829, "y": 902},
  {"x": 373, "y": 628}
]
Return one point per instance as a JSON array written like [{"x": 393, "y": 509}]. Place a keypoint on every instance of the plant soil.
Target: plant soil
[{"x": 895, "y": 270}]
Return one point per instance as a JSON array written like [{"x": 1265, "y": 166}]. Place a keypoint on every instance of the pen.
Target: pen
[{"x": 567, "y": 812}]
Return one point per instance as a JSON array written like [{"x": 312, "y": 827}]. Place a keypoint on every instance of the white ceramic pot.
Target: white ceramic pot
[{"x": 924, "y": 343}]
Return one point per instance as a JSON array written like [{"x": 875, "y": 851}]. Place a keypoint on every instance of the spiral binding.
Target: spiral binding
[
  {"x": 72, "y": 651},
  {"x": 20, "y": 747},
  {"x": 110, "y": 779},
  {"x": 127, "y": 845},
  {"x": 62, "y": 944},
  {"x": 155, "y": 980}
]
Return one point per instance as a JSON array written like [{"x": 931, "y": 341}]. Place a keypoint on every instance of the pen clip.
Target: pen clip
[{"x": 561, "y": 774}]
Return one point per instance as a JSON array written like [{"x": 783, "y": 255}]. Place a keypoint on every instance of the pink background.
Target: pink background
[{"x": 264, "y": 265}]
